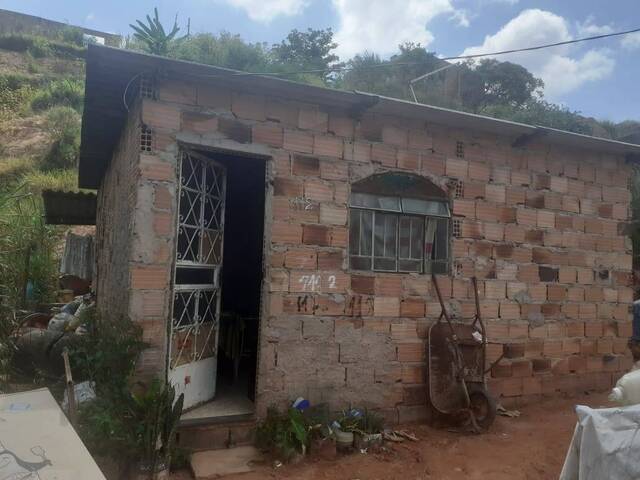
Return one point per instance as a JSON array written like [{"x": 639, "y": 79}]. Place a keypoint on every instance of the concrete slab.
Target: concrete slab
[
  {"x": 226, "y": 403},
  {"x": 219, "y": 463}
]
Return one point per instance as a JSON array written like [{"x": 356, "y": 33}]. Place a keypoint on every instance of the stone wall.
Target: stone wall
[{"x": 539, "y": 226}]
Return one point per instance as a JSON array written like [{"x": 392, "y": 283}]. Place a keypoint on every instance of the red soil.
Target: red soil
[{"x": 532, "y": 446}]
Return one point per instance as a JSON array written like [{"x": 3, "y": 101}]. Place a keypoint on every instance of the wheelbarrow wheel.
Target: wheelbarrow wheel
[{"x": 482, "y": 405}]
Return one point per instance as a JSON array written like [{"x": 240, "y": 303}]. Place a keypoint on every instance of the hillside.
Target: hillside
[
  {"x": 40, "y": 104},
  {"x": 41, "y": 97}
]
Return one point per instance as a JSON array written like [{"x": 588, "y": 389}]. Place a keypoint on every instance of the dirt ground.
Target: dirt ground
[{"x": 532, "y": 446}]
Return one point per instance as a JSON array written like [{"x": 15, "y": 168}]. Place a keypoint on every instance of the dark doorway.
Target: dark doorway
[{"x": 241, "y": 273}]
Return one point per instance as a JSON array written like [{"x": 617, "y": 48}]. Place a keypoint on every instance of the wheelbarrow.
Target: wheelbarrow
[{"x": 456, "y": 353}]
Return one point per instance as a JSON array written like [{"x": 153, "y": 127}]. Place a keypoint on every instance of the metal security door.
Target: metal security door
[{"x": 196, "y": 304}]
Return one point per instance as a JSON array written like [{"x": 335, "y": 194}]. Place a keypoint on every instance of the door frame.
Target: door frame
[
  {"x": 196, "y": 378},
  {"x": 186, "y": 141}
]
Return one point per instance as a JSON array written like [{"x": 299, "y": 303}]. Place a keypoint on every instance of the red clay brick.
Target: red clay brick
[{"x": 315, "y": 235}]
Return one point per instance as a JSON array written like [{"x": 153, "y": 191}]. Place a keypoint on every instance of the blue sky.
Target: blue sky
[{"x": 597, "y": 78}]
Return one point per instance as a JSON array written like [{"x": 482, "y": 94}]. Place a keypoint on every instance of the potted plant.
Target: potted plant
[
  {"x": 344, "y": 429},
  {"x": 368, "y": 432},
  {"x": 157, "y": 413}
]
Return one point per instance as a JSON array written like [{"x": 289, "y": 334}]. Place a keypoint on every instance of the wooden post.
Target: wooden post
[{"x": 71, "y": 394}]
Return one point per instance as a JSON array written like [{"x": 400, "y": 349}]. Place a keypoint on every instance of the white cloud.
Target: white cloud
[
  {"x": 631, "y": 41},
  {"x": 588, "y": 28},
  {"x": 381, "y": 25},
  {"x": 561, "y": 71},
  {"x": 266, "y": 10},
  {"x": 90, "y": 17},
  {"x": 461, "y": 17}
]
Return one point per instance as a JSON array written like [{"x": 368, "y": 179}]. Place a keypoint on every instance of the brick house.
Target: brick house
[{"x": 333, "y": 209}]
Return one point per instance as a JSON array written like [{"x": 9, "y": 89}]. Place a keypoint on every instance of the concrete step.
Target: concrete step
[
  {"x": 212, "y": 464},
  {"x": 221, "y": 433}
]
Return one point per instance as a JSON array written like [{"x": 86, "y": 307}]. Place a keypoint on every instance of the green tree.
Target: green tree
[
  {"x": 225, "y": 50},
  {"x": 368, "y": 72},
  {"x": 490, "y": 82},
  {"x": 153, "y": 36},
  {"x": 310, "y": 50},
  {"x": 541, "y": 112}
]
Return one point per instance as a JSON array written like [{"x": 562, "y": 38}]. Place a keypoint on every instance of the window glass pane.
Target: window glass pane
[
  {"x": 439, "y": 259},
  {"x": 441, "y": 247},
  {"x": 385, "y": 264},
  {"x": 360, "y": 263},
  {"x": 385, "y": 238},
  {"x": 411, "y": 238},
  {"x": 367, "y": 200},
  {"x": 425, "y": 207},
  {"x": 366, "y": 232},
  {"x": 354, "y": 232},
  {"x": 417, "y": 238},
  {"x": 440, "y": 267},
  {"x": 360, "y": 226},
  {"x": 404, "y": 243},
  {"x": 390, "y": 236},
  {"x": 410, "y": 266}
]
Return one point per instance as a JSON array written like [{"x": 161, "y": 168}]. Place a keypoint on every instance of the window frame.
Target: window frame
[{"x": 426, "y": 265}]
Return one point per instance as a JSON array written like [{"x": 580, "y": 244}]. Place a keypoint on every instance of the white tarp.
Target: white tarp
[
  {"x": 37, "y": 442},
  {"x": 605, "y": 445}
]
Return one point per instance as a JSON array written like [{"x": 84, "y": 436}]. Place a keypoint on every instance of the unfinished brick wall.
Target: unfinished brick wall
[
  {"x": 136, "y": 226},
  {"x": 539, "y": 227},
  {"x": 114, "y": 225}
]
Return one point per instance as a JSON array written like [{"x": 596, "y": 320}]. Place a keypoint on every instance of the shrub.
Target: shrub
[
  {"x": 106, "y": 355},
  {"x": 59, "y": 92},
  {"x": 284, "y": 433},
  {"x": 72, "y": 35},
  {"x": 63, "y": 124},
  {"x": 16, "y": 92},
  {"x": 41, "y": 47}
]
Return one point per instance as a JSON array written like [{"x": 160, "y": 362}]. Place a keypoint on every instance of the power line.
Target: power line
[{"x": 407, "y": 64}]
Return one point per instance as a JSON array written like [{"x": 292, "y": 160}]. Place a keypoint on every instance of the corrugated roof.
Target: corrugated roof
[
  {"x": 69, "y": 208},
  {"x": 110, "y": 70}
]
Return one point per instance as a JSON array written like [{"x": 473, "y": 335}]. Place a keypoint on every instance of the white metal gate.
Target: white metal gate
[{"x": 196, "y": 304}]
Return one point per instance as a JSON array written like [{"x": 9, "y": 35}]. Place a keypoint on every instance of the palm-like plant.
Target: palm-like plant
[{"x": 153, "y": 34}]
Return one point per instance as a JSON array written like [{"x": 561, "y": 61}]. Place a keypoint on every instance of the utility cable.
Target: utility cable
[{"x": 407, "y": 64}]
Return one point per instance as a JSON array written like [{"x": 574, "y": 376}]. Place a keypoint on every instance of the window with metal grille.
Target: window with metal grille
[
  {"x": 199, "y": 243},
  {"x": 460, "y": 149},
  {"x": 398, "y": 234}
]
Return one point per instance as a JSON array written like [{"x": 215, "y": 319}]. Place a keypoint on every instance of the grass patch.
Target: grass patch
[
  {"x": 36, "y": 181},
  {"x": 11, "y": 169},
  {"x": 66, "y": 92},
  {"x": 27, "y": 259}
]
